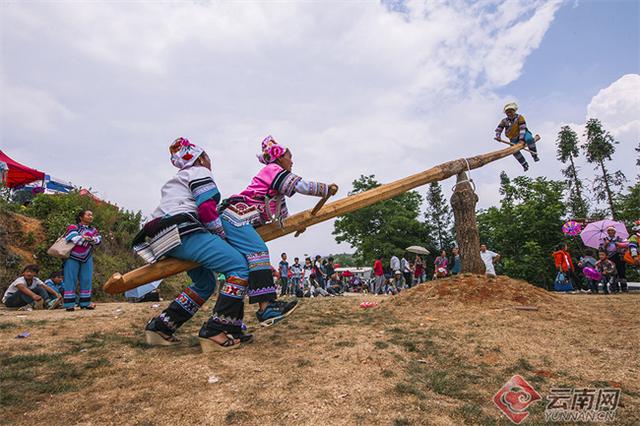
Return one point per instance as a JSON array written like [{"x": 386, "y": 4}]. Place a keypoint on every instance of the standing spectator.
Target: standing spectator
[
  {"x": 283, "y": 269},
  {"x": 489, "y": 258},
  {"x": 455, "y": 264},
  {"x": 29, "y": 290},
  {"x": 441, "y": 265},
  {"x": 378, "y": 271},
  {"x": 394, "y": 263},
  {"x": 296, "y": 276},
  {"x": 608, "y": 271},
  {"x": 405, "y": 267},
  {"x": 588, "y": 261},
  {"x": 614, "y": 246},
  {"x": 330, "y": 270},
  {"x": 319, "y": 272},
  {"x": 564, "y": 264},
  {"x": 308, "y": 274},
  {"x": 79, "y": 266},
  {"x": 419, "y": 271}
]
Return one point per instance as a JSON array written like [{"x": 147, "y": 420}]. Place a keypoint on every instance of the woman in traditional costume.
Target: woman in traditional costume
[
  {"x": 263, "y": 201},
  {"x": 186, "y": 225},
  {"x": 78, "y": 268}
]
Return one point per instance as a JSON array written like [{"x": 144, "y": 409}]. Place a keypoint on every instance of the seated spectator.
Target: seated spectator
[
  {"x": 355, "y": 284},
  {"x": 441, "y": 265},
  {"x": 334, "y": 288},
  {"x": 608, "y": 271},
  {"x": 389, "y": 288},
  {"x": 399, "y": 281},
  {"x": 588, "y": 261},
  {"x": 29, "y": 290},
  {"x": 55, "y": 281}
]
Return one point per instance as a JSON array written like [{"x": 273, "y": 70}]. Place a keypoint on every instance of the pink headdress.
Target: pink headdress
[
  {"x": 271, "y": 151},
  {"x": 184, "y": 153}
]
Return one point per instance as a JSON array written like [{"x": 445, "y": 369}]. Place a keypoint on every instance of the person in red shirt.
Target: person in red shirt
[
  {"x": 564, "y": 264},
  {"x": 378, "y": 271}
]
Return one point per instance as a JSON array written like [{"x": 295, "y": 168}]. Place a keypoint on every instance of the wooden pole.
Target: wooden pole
[{"x": 119, "y": 283}]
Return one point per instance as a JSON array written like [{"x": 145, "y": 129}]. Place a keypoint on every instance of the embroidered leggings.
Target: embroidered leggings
[
  {"x": 77, "y": 272},
  {"x": 246, "y": 240}
]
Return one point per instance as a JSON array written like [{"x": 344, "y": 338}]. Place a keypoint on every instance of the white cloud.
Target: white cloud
[
  {"x": 352, "y": 88},
  {"x": 618, "y": 107}
]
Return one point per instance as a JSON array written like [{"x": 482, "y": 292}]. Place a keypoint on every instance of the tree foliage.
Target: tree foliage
[
  {"x": 599, "y": 148},
  {"x": 385, "y": 228},
  {"x": 526, "y": 228},
  {"x": 439, "y": 217},
  {"x": 568, "y": 150}
]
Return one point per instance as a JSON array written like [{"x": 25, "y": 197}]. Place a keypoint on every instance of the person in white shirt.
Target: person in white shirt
[
  {"x": 489, "y": 258},
  {"x": 394, "y": 263},
  {"x": 30, "y": 290},
  {"x": 405, "y": 267}
]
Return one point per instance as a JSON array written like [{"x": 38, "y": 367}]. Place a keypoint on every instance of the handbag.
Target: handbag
[
  {"x": 561, "y": 283},
  {"x": 61, "y": 248}
]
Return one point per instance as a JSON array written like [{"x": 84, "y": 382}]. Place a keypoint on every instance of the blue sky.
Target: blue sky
[{"x": 589, "y": 45}]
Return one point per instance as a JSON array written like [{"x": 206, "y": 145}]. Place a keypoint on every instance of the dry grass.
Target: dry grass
[{"x": 432, "y": 355}]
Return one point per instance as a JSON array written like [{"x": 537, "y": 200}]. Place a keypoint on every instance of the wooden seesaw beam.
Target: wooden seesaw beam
[{"x": 119, "y": 283}]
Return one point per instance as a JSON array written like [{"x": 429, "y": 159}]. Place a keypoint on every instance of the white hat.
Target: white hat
[{"x": 511, "y": 105}]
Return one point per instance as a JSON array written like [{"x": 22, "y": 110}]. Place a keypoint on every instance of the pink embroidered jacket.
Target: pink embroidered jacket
[
  {"x": 272, "y": 182},
  {"x": 83, "y": 247}
]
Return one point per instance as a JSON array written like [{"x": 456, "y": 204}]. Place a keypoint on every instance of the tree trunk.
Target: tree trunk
[
  {"x": 577, "y": 184},
  {"x": 605, "y": 178},
  {"x": 463, "y": 202}
]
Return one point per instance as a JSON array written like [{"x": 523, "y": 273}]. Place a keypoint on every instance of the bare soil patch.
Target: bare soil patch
[{"x": 432, "y": 355}]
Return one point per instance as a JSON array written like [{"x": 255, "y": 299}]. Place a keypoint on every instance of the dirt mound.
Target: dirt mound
[
  {"x": 21, "y": 235},
  {"x": 476, "y": 290}
]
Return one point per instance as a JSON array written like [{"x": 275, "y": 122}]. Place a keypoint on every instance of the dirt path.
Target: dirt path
[{"x": 433, "y": 361}]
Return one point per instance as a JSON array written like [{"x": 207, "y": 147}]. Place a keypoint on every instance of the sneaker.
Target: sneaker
[
  {"x": 54, "y": 303},
  {"x": 275, "y": 312},
  {"x": 525, "y": 167},
  {"x": 536, "y": 158}
]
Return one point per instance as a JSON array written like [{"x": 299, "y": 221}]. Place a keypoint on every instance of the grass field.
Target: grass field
[{"x": 433, "y": 355}]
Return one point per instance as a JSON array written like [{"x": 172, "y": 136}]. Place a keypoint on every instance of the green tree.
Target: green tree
[
  {"x": 568, "y": 149},
  {"x": 638, "y": 160},
  {"x": 439, "y": 217},
  {"x": 385, "y": 228},
  {"x": 526, "y": 228},
  {"x": 600, "y": 147},
  {"x": 343, "y": 259}
]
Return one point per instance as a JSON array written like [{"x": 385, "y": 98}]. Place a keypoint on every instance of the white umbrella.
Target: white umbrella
[
  {"x": 139, "y": 292},
  {"x": 417, "y": 250}
]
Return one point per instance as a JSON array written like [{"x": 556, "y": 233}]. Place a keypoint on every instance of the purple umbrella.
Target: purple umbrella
[{"x": 594, "y": 233}]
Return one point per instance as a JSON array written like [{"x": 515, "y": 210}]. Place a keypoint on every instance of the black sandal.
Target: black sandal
[
  {"x": 209, "y": 345},
  {"x": 243, "y": 337},
  {"x": 90, "y": 307}
]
